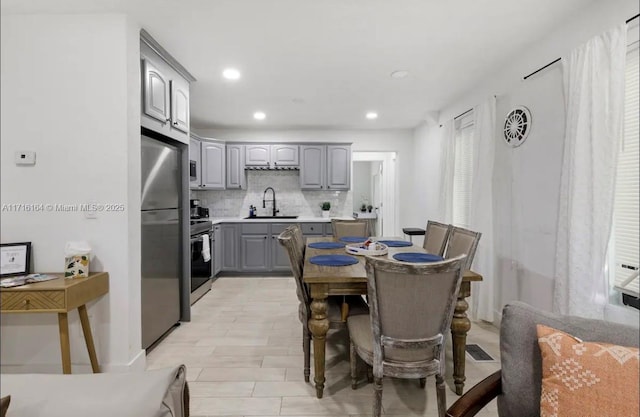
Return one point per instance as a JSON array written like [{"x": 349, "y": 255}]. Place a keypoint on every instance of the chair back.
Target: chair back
[
  {"x": 411, "y": 310},
  {"x": 462, "y": 242},
  {"x": 342, "y": 228},
  {"x": 292, "y": 240},
  {"x": 436, "y": 237}
]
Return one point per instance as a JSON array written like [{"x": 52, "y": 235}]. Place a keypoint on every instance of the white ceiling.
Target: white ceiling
[{"x": 325, "y": 63}]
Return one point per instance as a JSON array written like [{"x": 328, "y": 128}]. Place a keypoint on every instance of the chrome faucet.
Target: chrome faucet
[{"x": 273, "y": 200}]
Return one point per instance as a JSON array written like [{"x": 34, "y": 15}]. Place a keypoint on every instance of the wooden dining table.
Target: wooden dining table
[{"x": 352, "y": 280}]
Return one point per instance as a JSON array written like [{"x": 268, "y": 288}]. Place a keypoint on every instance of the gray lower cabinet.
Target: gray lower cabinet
[
  {"x": 313, "y": 229},
  {"x": 254, "y": 247},
  {"x": 217, "y": 249},
  {"x": 230, "y": 247},
  {"x": 279, "y": 255},
  {"x": 260, "y": 250}
]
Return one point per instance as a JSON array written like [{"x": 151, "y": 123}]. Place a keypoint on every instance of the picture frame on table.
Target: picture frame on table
[{"x": 15, "y": 259}]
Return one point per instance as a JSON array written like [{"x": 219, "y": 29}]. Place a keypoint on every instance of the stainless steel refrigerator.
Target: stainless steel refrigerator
[{"x": 161, "y": 267}]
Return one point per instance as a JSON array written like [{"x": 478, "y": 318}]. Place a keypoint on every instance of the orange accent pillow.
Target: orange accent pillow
[{"x": 586, "y": 379}]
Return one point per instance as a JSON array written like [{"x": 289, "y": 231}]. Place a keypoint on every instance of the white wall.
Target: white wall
[
  {"x": 526, "y": 179},
  {"x": 70, "y": 93},
  {"x": 399, "y": 141}
]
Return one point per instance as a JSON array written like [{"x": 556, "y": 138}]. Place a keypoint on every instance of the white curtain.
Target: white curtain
[
  {"x": 481, "y": 209},
  {"x": 594, "y": 101},
  {"x": 447, "y": 159}
]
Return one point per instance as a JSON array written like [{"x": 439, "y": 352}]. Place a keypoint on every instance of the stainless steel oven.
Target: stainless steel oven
[{"x": 201, "y": 258}]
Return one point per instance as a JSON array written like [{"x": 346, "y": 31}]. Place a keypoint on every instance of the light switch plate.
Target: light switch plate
[{"x": 25, "y": 158}]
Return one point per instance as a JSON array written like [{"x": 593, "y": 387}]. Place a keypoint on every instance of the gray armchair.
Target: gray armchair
[{"x": 517, "y": 385}]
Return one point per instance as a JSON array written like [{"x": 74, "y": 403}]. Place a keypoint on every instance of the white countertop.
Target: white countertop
[{"x": 301, "y": 219}]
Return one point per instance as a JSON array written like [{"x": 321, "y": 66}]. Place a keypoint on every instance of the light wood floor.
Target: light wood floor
[{"x": 243, "y": 352}]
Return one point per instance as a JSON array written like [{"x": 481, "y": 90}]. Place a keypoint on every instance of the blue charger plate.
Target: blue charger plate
[
  {"x": 333, "y": 260},
  {"x": 417, "y": 257}
]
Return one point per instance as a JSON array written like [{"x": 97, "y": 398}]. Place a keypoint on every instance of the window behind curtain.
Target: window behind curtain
[
  {"x": 626, "y": 223},
  {"x": 463, "y": 170}
]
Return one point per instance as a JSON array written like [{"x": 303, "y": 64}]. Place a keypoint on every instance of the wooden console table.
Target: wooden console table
[{"x": 60, "y": 296}]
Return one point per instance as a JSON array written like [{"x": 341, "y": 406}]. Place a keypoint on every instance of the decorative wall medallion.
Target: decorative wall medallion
[{"x": 517, "y": 125}]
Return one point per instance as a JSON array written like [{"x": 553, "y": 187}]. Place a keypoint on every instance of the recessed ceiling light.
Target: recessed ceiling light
[
  {"x": 372, "y": 115},
  {"x": 259, "y": 115},
  {"x": 399, "y": 74},
  {"x": 231, "y": 74}
]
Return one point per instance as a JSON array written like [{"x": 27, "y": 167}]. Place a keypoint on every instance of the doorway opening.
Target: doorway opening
[{"x": 374, "y": 184}]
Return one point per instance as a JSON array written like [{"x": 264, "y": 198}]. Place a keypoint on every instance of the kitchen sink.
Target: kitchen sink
[{"x": 272, "y": 217}]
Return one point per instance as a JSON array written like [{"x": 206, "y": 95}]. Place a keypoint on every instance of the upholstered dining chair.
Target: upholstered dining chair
[
  {"x": 436, "y": 237},
  {"x": 404, "y": 336},
  {"x": 292, "y": 240},
  {"x": 462, "y": 241},
  {"x": 342, "y": 228}
]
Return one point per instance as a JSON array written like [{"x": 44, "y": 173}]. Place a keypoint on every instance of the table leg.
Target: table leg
[
  {"x": 460, "y": 326},
  {"x": 319, "y": 326},
  {"x": 88, "y": 338},
  {"x": 65, "y": 347}
]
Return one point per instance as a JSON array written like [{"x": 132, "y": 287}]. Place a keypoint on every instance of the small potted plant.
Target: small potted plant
[
  {"x": 326, "y": 207},
  {"x": 369, "y": 207},
  {"x": 363, "y": 208}
]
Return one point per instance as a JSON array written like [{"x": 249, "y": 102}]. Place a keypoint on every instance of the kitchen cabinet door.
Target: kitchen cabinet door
[
  {"x": 338, "y": 167},
  {"x": 213, "y": 165},
  {"x": 194, "y": 155},
  {"x": 217, "y": 249},
  {"x": 312, "y": 167},
  {"x": 312, "y": 229},
  {"x": 255, "y": 251},
  {"x": 279, "y": 255},
  {"x": 156, "y": 92},
  {"x": 230, "y": 247},
  {"x": 284, "y": 155},
  {"x": 180, "y": 105},
  {"x": 235, "y": 167},
  {"x": 257, "y": 155}
]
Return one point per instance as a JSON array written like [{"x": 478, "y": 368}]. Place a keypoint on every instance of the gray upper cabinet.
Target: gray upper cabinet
[
  {"x": 325, "y": 167},
  {"x": 180, "y": 105},
  {"x": 213, "y": 165},
  {"x": 155, "y": 92},
  {"x": 284, "y": 155},
  {"x": 265, "y": 155},
  {"x": 257, "y": 155},
  {"x": 194, "y": 156},
  {"x": 338, "y": 167},
  {"x": 165, "y": 91},
  {"x": 235, "y": 167},
  {"x": 312, "y": 167}
]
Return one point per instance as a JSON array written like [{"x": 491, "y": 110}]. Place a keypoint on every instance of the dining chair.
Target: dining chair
[
  {"x": 404, "y": 336},
  {"x": 292, "y": 240},
  {"x": 436, "y": 237},
  {"x": 462, "y": 241},
  {"x": 342, "y": 228}
]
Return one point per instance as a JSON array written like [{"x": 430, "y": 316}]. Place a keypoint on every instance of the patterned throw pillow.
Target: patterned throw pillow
[{"x": 586, "y": 379}]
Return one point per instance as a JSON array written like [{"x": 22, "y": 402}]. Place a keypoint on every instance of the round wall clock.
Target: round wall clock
[{"x": 517, "y": 125}]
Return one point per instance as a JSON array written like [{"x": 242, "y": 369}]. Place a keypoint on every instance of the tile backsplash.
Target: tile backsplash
[{"x": 290, "y": 200}]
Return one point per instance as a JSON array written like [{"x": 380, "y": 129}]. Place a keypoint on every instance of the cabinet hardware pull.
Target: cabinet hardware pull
[{"x": 175, "y": 123}]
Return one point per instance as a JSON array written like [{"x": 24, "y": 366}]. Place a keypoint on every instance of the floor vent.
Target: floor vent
[{"x": 478, "y": 354}]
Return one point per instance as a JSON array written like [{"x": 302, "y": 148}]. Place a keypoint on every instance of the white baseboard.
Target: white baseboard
[{"x": 137, "y": 364}]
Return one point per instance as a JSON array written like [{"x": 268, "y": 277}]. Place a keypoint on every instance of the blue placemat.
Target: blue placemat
[
  {"x": 333, "y": 260},
  {"x": 326, "y": 245},
  {"x": 417, "y": 257},
  {"x": 353, "y": 239},
  {"x": 396, "y": 243}
]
